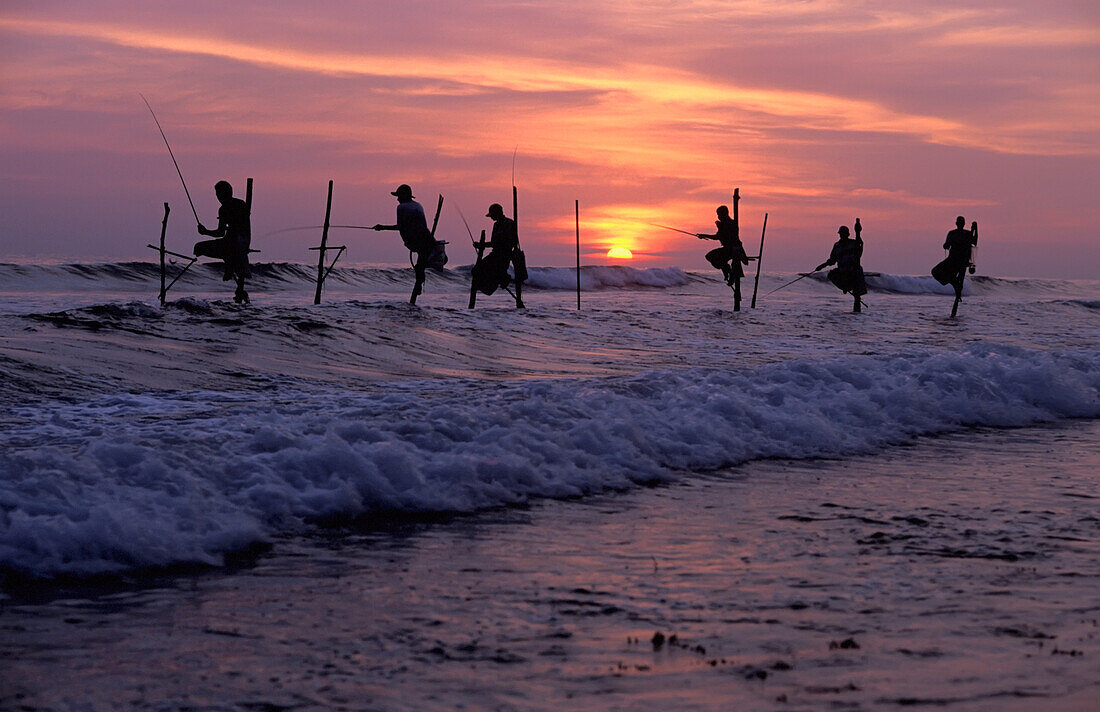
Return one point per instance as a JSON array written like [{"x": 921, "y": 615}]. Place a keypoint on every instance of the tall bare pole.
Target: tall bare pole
[
  {"x": 736, "y": 222},
  {"x": 759, "y": 258},
  {"x": 324, "y": 243},
  {"x": 577, "y": 209},
  {"x": 163, "y": 229}
]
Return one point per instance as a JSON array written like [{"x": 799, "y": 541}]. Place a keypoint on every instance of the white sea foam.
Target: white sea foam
[{"x": 129, "y": 481}]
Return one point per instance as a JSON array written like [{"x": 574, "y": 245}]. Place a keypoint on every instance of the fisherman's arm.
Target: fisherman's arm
[{"x": 223, "y": 226}]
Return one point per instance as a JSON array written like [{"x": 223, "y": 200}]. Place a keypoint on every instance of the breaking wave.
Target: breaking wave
[
  {"x": 143, "y": 480},
  {"x": 976, "y": 284}
]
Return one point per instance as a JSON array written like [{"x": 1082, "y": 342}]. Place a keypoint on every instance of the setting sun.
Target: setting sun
[{"x": 620, "y": 253}]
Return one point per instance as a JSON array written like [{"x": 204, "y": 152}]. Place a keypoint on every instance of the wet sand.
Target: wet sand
[{"x": 960, "y": 572}]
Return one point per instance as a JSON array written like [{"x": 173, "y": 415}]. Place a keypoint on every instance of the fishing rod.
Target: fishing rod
[
  {"x": 177, "y": 165},
  {"x": 674, "y": 229},
  {"x": 804, "y": 276},
  {"x": 468, "y": 230},
  {"x": 514, "y": 152},
  {"x": 315, "y": 227}
]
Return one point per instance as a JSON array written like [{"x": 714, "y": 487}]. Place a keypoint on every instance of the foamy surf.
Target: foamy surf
[{"x": 142, "y": 480}]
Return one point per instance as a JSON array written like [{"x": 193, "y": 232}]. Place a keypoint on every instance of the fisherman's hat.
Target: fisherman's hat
[
  {"x": 495, "y": 209},
  {"x": 403, "y": 189}
]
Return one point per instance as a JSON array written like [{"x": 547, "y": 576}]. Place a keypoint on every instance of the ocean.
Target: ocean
[{"x": 365, "y": 504}]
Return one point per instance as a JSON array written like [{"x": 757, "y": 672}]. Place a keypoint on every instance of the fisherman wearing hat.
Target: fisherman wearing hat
[
  {"x": 848, "y": 275},
  {"x": 731, "y": 255},
  {"x": 492, "y": 270},
  {"x": 413, "y": 227}
]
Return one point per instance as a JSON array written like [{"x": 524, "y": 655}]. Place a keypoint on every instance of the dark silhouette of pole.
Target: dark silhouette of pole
[
  {"x": 173, "y": 156},
  {"x": 438, "y": 210},
  {"x": 736, "y": 222},
  {"x": 577, "y": 208},
  {"x": 324, "y": 244},
  {"x": 480, "y": 247},
  {"x": 737, "y": 235},
  {"x": 191, "y": 260},
  {"x": 858, "y": 303},
  {"x": 163, "y": 229},
  {"x": 515, "y": 219},
  {"x": 248, "y": 195},
  {"x": 759, "y": 258}
]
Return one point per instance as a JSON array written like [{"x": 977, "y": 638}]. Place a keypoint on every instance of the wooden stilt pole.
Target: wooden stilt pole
[
  {"x": 577, "y": 211},
  {"x": 163, "y": 229},
  {"x": 438, "y": 210},
  {"x": 759, "y": 257},
  {"x": 324, "y": 244},
  {"x": 190, "y": 261},
  {"x": 523, "y": 264},
  {"x": 737, "y": 234},
  {"x": 241, "y": 296},
  {"x": 480, "y": 247}
]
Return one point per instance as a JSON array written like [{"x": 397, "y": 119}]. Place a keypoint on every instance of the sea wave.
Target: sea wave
[
  {"x": 976, "y": 284},
  {"x": 143, "y": 480},
  {"x": 289, "y": 276}
]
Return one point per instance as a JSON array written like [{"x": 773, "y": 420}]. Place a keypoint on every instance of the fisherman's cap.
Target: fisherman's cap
[
  {"x": 843, "y": 230},
  {"x": 403, "y": 189},
  {"x": 495, "y": 209}
]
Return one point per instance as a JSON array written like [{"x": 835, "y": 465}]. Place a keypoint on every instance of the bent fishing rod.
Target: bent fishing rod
[{"x": 173, "y": 155}]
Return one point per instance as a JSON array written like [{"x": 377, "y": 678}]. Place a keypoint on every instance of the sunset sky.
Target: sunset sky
[{"x": 905, "y": 114}]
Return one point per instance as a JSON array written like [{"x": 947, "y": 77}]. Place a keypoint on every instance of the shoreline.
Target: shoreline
[{"x": 958, "y": 591}]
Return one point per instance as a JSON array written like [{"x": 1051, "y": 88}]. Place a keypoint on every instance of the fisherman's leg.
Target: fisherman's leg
[
  {"x": 419, "y": 270},
  {"x": 957, "y": 283},
  {"x": 240, "y": 296},
  {"x": 737, "y": 294}
]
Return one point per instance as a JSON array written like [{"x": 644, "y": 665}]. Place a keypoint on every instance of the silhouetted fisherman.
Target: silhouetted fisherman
[
  {"x": 960, "y": 245},
  {"x": 413, "y": 227},
  {"x": 234, "y": 235},
  {"x": 848, "y": 274},
  {"x": 492, "y": 271},
  {"x": 731, "y": 255}
]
